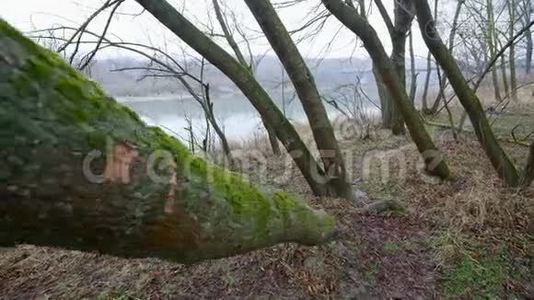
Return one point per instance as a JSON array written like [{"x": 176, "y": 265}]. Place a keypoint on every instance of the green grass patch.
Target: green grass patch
[
  {"x": 472, "y": 270},
  {"x": 391, "y": 246}
]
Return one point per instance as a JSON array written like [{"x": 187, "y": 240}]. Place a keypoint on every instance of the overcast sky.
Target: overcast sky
[{"x": 37, "y": 14}]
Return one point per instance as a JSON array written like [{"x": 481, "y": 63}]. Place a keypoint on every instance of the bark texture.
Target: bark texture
[
  {"x": 241, "y": 59},
  {"x": 466, "y": 95},
  {"x": 306, "y": 89},
  {"x": 398, "y": 31},
  {"x": 528, "y": 174},
  {"x": 149, "y": 198},
  {"x": 435, "y": 163}
]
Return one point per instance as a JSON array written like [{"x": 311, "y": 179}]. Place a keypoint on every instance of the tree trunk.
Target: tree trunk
[
  {"x": 426, "y": 110},
  {"x": 392, "y": 116},
  {"x": 275, "y": 147},
  {"x": 413, "y": 73},
  {"x": 527, "y": 12},
  {"x": 403, "y": 22},
  {"x": 424, "y": 99},
  {"x": 245, "y": 81},
  {"x": 504, "y": 75},
  {"x": 435, "y": 163},
  {"x": 306, "y": 89},
  {"x": 452, "y": 38},
  {"x": 511, "y": 32},
  {"x": 466, "y": 95},
  {"x": 80, "y": 171},
  {"x": 273, "y": 141},
  {"x": 528, "y": 174},
  {"x": 492, "y": 39},
  {"x": 385, "y": 104}
]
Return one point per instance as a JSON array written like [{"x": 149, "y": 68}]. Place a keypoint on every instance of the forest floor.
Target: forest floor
[{"x": 467, "y": 238}]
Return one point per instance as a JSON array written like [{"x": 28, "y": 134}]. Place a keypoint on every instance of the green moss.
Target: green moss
[
  {"x": 93, "y": 118},
  {"x": 97, "y": 140}
]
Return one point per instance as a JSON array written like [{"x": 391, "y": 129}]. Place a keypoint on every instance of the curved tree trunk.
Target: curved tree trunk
[
  {"x": 275, "y": 147},
  {"x": 435, "y": 163},
  {"x": 245, "y": 81},
  {"x": 80, "y": 171},
  {"x": 466, "y": 95},
  {"x": 306, "y": 89}
]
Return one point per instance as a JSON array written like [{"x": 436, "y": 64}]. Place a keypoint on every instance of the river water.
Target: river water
[{"x": 235, "y": 114}]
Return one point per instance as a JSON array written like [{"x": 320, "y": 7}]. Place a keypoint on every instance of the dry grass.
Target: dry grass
[
  {"x": 476, "y": 201},
  {"x": 373, "y": 257}
]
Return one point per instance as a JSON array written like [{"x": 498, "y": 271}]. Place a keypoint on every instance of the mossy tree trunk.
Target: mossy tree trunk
[
  {"x": 309, "y": 96},
  {"x": 82, "y": 172},
  {"x": 245, "y": 81},
  {"x": 466, "y": 95},
  {"x": 435, "y": 163}
]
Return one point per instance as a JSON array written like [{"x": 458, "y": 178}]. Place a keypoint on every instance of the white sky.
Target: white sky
[{"x": 37, "y": 14}]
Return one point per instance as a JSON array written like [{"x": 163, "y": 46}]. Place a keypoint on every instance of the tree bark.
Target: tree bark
[
  {"x": 392, "y": 116},
  {"x": 452, "y": 37},
  {"x": 245, "y": 81},
  {"x": 511, "y": 4},
  {"x": 492, "y": 39},
  {"x": 425, "y": 109},
  {"x": 527, "y": 15},
  {"x": 528, "y": 174},
  {"x": 273, "y": 141},
  {"x": 435, "y": 163},
  {"x": 275, "y": 147},
  {"x": 150, "y": 197},
  {"x": 404, "y": 15},
  {"x": 413, "y": 73},
  {"x": 466, "y": 95},
  {"x": 306, "y": 89}
]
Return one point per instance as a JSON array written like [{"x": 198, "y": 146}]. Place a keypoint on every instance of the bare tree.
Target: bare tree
[
  {"x": 250, "y": 64},
  {"x": 398, "y": 31},
  {"x": 303, "y": 81},
  {"x": 351, "y": 18},
  {"x": 160, "y": 64},
  {"x": 466, "y": 95},
  {"x": 242, "y": 77}
]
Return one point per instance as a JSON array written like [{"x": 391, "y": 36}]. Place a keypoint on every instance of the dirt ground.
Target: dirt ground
[{"x": 467, "y": 238}]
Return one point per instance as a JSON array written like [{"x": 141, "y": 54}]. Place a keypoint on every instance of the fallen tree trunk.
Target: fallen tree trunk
[{"x": 80, "y": 171}]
